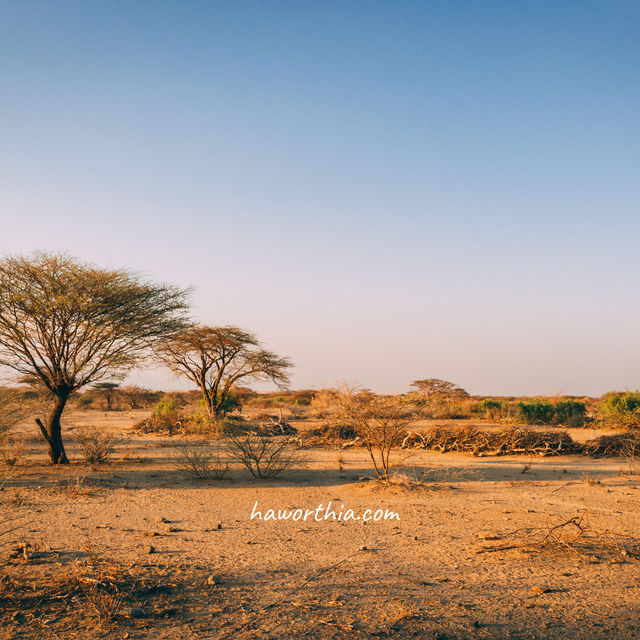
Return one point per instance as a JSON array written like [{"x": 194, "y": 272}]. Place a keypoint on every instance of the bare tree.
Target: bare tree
[
  {"x": 216, "y": 358},
  {"x": 64, "y": 325},
  {"x": 381, "y": 421}
]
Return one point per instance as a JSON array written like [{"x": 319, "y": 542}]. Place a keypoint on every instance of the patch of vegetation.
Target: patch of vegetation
[
  {"x": 264, "y": 457},
  {"x": 96, "y": 445},
  {"x": 201, "y": 461},
  {"x": 620, "y": 409}
]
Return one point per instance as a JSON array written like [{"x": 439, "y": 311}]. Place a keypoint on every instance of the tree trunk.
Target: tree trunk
[
  {"x": 53, "y": 432},
  {"x": 206, "y": 394}
]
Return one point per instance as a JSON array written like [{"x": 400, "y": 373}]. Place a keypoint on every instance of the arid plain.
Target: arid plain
[{"x": 485, "y": 547}]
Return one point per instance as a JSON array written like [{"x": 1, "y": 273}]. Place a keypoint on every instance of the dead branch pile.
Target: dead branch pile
[
  {"x": 620, "y": 444},
  {"x": 333, "y": 434},
  {"x": 573, "y": 536},
  {"x": 480, "y": 442},
  {"x": 274, "y": 428}
]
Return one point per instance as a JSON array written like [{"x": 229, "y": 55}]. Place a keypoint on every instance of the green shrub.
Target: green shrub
[
  {"x": 536, "y": 412},
  {"x": 164, "y": 407},
  {"x": 495, "y": 410},
  {"x": 621, "y": 409},
  {"x": 489, "y": 408},
  {"x": 453, "y": 411},
  {"x": 570, "y": 413}
]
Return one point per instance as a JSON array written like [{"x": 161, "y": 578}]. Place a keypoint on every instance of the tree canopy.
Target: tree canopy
[
  {"x": 65, "y": 324},
  {"x": 216, "y": 358}
]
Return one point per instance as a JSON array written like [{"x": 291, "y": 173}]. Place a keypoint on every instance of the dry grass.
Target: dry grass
[
  {"x": 74, "y": 487},
  {"x": 101, "y": 596}
]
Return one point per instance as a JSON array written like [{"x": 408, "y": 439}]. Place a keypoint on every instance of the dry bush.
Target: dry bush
[
  {"x": 479, "y": 442},
  {"x": 97, "y": 446},
  {"x": 102, "y": 605},
  {"x": 380, "y": 421},
  {"x": 201, "y": 461},
  {"x": 12, "y": 450},
  {"x": 264, "y": 457},
  {"x": 574, "y": 536}
]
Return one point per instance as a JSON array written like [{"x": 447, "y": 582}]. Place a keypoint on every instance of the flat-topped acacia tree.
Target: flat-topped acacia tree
[
  {"x": 65, "y": 324},
  {"x": 216, "y": 358}
]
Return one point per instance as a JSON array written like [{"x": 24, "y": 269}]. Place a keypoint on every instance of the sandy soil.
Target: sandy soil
[{"x": 219, "y": 574}]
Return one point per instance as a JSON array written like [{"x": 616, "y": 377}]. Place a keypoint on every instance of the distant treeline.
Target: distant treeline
[{"x": 612, "y": 410}]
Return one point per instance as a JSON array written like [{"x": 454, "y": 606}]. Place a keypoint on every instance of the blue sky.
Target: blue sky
[{"x": 382, "y": 191}]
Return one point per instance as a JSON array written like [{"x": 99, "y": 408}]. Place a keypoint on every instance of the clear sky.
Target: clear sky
[{"x": 382, "y": 191}]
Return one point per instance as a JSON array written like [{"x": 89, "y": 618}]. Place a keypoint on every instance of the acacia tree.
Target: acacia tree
[
  {"x": 216, "y": 358},
  {"x": 434, "y": 390},
  {"x": 135, "y": 396},
  {"x": 109, "y": 391},
  {"x": 64, "y": 325}
]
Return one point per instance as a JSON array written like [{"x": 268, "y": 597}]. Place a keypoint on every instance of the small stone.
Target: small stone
[
  {"x": 149, "y": 549},
  {"x": 161, "y": 520},
  {"x": 219, "y": 525},
  {"x": 362, "y": 547},
  {"x": 539, "y": 590},
  {"x": 133, "y": 612},
  {"x": 212, "y": 580}
]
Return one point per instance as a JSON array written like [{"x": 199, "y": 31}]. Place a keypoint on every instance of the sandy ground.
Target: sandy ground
[{"x": 223, "y": 575}]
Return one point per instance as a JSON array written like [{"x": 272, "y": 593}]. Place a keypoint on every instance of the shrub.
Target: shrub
[
  {"x": 453, "y": 411},
  {"x": 621, "y": 409},
  {"x": 168, "y": 422},
  {"x": 165, "y": 406},
  {"x": 381, "y": 421},
  {"x": 201, "y": 461},
  {"x": 536, "y": 412},
  {"x": 12, "y": 450},
  {"x": 489, "y": 408},
  {"x": 570, "y": 413},
  {"x": 97, "y": 446},
  {"x": 84, "y": 400},
  {"x": 263, "y": 457}
]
